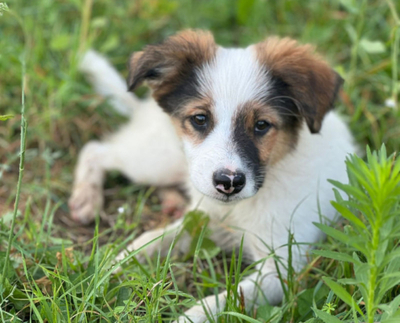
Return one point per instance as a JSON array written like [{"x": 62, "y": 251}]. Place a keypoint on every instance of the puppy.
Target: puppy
[{"x": 250, "y": 133}]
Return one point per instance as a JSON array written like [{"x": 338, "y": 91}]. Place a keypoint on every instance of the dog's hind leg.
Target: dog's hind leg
[
  {"x": 87, "y": 193},
  {"x": 146, "y": 150},
  {"x": 173, "y": 201}
]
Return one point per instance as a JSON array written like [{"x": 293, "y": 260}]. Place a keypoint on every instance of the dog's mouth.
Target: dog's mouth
[{"x": 230, "y": 199}]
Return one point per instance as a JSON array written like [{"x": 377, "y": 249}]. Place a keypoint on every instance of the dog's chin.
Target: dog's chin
[
  {"x": 226, "y": 200},
  {"x": 221, "y": 198}
]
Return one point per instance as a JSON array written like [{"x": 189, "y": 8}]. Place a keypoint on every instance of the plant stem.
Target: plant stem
[
  {"x": 21, "y": 172},
  {"x": 85, "y": 20},
  {"x": 395, "y": 51},
  {"x": 373, "y": 272},
  {"x": 354, "y": 49}
]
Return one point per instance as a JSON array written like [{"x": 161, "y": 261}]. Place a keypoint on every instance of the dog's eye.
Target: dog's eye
[
  {"x": 199, "y": 121},
  {"x": 261, "y": 127}
]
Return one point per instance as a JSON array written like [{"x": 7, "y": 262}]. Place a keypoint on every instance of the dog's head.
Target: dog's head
[{"x": 238, "y": 111}]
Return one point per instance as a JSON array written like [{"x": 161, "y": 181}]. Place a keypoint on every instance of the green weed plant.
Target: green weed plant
[{"x": 371, "y": 237}]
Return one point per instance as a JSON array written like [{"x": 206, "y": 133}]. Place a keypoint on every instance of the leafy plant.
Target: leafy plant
[
  {"x": 372, "y": 237},
  {"x": 196, "y": 225},
  {"x": 6, "y": 117}
]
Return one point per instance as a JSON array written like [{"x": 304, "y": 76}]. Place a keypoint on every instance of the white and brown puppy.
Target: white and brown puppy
[{"x": 248, "y": 130}]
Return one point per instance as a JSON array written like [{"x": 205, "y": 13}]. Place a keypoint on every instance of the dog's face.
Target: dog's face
[{"x": 238, "y": 111}]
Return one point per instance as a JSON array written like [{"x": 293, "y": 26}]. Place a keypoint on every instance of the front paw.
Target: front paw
[
  {"x": 85, "y": 202},
  {"x": 139, "y": 243},
  {"x": 205, "y": 310},
  {"x": 194, "y": 315},
  {"x": 122, "y": 255}
]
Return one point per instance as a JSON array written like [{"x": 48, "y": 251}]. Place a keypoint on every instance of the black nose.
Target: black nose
[{"x": 228, "y": 182}]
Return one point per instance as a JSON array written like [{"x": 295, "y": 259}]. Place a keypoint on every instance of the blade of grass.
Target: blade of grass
[{"x": 21, "y": 170}]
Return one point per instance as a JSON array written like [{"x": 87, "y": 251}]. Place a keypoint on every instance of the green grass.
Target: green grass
[{"x": 60, "y": 272}]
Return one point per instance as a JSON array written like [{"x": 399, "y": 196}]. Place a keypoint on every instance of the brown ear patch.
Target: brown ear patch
[
  {"x": 171, "y": 64},
  {"x": 308, "y": 79}
]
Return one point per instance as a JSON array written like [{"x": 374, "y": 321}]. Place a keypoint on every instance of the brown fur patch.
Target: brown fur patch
[
  {"x": 275, "y": 146},
  {"x": 277, "y": 142},
  {"x": 312, "y": 83},
  {"x": 182, "y": 122},
  {"x": 162, "y": 65}
]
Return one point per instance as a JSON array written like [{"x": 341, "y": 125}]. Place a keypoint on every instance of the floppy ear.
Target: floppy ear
[
  {"x": 176, "y": 56},
  {"x": 311, "y": 82}
]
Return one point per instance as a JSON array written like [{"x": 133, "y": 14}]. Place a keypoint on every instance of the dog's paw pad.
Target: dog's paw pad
[{"x": 173, "y": 203}]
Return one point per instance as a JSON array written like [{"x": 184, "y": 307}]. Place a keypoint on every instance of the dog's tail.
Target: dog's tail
[{"x": 108, "y": 82}]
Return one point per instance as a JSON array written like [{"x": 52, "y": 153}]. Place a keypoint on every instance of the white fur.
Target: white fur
[
  {"x": 148, "y": 151},
  {"x": 234, "y": 77},
  {"x": 131, "y": 150},
  {"x": 110, "y": 84}
]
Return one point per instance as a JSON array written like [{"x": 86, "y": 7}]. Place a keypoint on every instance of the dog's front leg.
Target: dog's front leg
[
  {"x": 161, "y": 245},
  {"x": 256, "y": 288}
]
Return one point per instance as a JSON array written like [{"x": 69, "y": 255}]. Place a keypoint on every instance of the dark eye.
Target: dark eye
[
  {"x": 261, "y": 127},
  {"x": 199, "y": 121}
]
